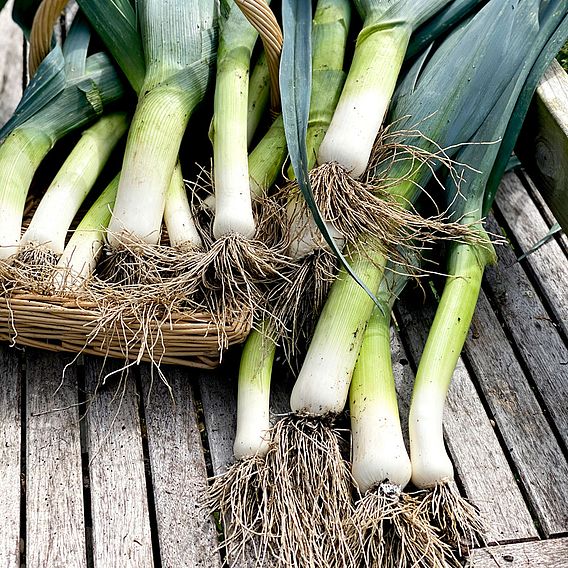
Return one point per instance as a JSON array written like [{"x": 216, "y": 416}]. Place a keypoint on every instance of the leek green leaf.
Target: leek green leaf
[{"x": 45, "y": 85}]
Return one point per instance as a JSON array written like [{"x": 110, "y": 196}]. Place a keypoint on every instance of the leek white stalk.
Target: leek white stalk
[
  {"x": 178, "y": 66},
  {"x": 253, "y": 413},
  {"x": 233, "y": 205},
  {"x": 178, "y": 216},
  {"x": 365, "y": 98},
  {"x": 59, "y": 205},
  {"x": 379, "y": 54},
  {"x": 322, "y": 385},
  {"x": 77, "y": 263},
  {"x": 378, "y": 451},
  {"x": 20, "y": 156}
]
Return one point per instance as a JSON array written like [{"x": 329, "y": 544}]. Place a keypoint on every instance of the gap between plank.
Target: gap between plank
[
  {"x": 83, "y": 409},
  {"x": 23, "y": 453},
  {"x": 148, "y": 473}
]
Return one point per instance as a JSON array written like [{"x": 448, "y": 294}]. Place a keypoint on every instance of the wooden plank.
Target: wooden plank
[
  {"x": 10, "y": 451},
  {"x": 546, "y": 553},
  {"x": 548, "y": 263},
  {"x": 218, "y": 391},
  {"x": 541, "y": 467},
  {"x": 542, "y": 350},
  {"x": 11, "y": 63},
  {"x": 219, "y": 399},
  {"x": 543, "y": 143},
  {"x": 480, "y": 463},
  {"x": 119, "y": 502},
  {"x": 186, "y": 533},
  {"x": 55, "y": 528},
  {"x": 561, "y": 237}
]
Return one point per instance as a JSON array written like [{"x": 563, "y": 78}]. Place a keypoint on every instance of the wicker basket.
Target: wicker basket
[{"x": 64, "y": 324}]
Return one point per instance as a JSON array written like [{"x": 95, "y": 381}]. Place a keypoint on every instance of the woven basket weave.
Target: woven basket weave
[{"x": 64, "y": 324}]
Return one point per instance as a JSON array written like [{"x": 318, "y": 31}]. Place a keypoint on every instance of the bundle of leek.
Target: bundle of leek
[
  {"x": 321, "y": 388},
  {"x": 431, "y": 466}
]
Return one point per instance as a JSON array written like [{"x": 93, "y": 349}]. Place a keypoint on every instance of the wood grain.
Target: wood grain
[
  {"x": 541, "y": 466},
  {"x": 55, "y": 528},
  {"x": 186, "y": 532},
  {"x": 11, "y": 63},
  {"x": 543, "y": 143},
  {"x": 528, "y": 324},
  {"x": 10, "y": 448},
  {"x": 219, "y": 399},
  {"x": 119, "y": 502},
  {"x": 544, "y": 554},
  {"x": 480, "y": 462},
  {"x": 548, "y": 263}
]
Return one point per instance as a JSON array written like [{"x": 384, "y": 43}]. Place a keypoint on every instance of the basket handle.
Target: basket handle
[
  {"x": 262, "y": 18},
  {"x": 42, "y": 30}
]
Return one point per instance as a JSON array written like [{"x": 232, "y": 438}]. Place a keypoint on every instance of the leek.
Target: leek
[
  {"x": 82, "y": 100},
  {"x": 258, "y": 95},
  {"x": 48, "y": 228},
  {"x": 431, "y": 466},
  {"x": 178, "y": 218},
  {"x": 77, "y": 263},
  {"x": 179, "y": 44},
  {"x": 233, "y": 205},
  {"x": 379, "y": 54}
]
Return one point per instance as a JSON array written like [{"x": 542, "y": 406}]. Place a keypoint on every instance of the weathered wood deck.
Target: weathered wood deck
[{"x": 113, "y": 480}]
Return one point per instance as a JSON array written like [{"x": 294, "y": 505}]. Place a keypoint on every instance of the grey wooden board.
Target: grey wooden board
[
  {"x": 11, "y": 67},
  {"x": 55, "y": 528},
  {"x": 218, "y": 391},
  {"x": 218, "y": 397},
  {"x": 119, "y": 502},
  {"x": 551, "y": 553},
  {"x": 543, "y": 142},
  {"x": 479, "y": 460},
  {"x": 186, "y": 533},
  {"x": 10, "y": 448},
  {"x": 561, "y": 238},
  {"x": 529, "y": 326},
  {"x": 542, "y": 467},
  {"x": 549, "y": 264}
]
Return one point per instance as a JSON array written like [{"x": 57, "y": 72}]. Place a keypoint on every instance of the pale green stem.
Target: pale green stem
[
  {"x": 233, "y": 204},
  {"x": 253, "y": 415},
  {"x": 364, "y": 101},
  {"x": 430, "y": 462},
  {"x": 378, "y": 451},
  {"x": 178, "y": 217},
  {"x": 59, "y": 205},
  {"x": 258, "y": 95},
  {"x": 151, "y": 153},
  {"x": 20, "y": 155},
  {"x": 83, "y": 250},
  {"x": 323, "y": 383}
]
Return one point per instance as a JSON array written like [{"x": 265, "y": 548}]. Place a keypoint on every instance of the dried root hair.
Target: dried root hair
[
  {"x": 234, "y": 272},
  {"x": 395, "y": 531},
  {"x": 296, "y": 300},
  {"x": 460, "y": 524},
  {"x": 239, "y": 497},
  {"x": 310, "y": 504}
]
